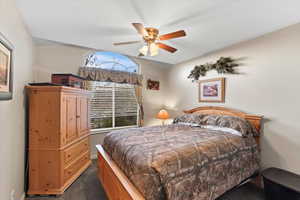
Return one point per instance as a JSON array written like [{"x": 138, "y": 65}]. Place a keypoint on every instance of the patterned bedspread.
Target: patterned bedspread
[{"x": 180, "y": 162}]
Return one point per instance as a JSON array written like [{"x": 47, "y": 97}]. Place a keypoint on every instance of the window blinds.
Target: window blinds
[{"x": 112, "y": 105}]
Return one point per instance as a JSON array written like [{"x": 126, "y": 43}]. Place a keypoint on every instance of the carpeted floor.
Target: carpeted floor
[{"x": 87, "y": 187}]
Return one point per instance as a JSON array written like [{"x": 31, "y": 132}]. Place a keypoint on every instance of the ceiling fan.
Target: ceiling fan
[{"x": 152, "y": 40}]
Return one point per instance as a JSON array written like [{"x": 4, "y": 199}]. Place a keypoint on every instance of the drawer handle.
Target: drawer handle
[{"x": 69, "y": 155}]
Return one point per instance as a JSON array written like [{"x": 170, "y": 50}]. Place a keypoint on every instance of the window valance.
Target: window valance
[{"x": 104, "y": 75}]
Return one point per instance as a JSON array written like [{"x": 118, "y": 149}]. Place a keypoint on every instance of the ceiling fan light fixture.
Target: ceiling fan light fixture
[
  {"x": 152, "y": 40},
  {"x": 154, "y": 49},
  {"x": 144, "y": 50}
]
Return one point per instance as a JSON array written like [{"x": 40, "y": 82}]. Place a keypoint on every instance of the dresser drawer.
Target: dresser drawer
[
  {"x": 76, "y": 166},
  {"x": 75, "y": 151}
]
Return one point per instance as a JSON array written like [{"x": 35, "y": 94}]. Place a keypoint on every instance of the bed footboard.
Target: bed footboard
[{"x": 115, "y": 183}]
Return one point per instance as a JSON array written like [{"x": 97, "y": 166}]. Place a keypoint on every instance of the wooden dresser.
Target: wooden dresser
[{"x": 59, "y": 148}]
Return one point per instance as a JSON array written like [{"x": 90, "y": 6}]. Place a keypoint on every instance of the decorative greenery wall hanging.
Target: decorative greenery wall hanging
[{"x": 225, "y": 65}]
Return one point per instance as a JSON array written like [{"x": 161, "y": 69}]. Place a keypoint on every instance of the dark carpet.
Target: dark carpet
[{"x": 87, "y": 187}]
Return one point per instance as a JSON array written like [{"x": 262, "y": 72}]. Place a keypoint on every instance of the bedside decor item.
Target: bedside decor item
[
  {"x": 163, "y": 115},
  {"x": 212, "y": 90},
  {"x": 152, "y": 85},
  {"x": 6, "y": 73},
  {"x": 225, "y": 65},
  {"x": 70, "y": 80}
]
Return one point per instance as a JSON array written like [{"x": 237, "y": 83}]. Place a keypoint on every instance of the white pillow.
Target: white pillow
[
  {"x": 189, "y": 124},
  {"x": 224, "y": 129}
]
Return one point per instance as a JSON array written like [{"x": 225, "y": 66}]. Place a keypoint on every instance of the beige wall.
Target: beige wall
[
  {"x": 269, "y": 85},
  {"x": 12, "y": 121},
  {"x": 59, "y": 58}
]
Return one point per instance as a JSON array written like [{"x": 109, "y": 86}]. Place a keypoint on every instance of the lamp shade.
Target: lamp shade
[
  {"x": 163, "y": 114},
  {"x": 153, "y": 49},
  {"x": 144, "y": 50}
]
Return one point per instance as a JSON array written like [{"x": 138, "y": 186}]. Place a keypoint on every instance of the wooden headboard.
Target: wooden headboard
[{"x": 255, "y": 120}]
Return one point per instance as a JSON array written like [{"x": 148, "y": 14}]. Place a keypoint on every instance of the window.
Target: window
[
  {"x": 111, "y": 61},
  {"x": 113, "y": 105}
]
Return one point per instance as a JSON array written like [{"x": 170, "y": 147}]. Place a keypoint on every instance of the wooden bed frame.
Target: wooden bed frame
[{"x": 115, "y": 183}]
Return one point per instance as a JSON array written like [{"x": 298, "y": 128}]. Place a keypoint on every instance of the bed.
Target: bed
[{"x": 178, "y": 161}]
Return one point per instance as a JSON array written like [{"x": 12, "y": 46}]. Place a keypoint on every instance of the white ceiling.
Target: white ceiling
[{"x": 210, "y": 24}]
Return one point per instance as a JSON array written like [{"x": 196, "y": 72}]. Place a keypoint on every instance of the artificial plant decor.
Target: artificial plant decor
[{"x": 225, "y": 65}]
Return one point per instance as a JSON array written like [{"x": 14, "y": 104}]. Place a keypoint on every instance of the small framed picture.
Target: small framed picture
[
  {"x": 6, "y": 79},
  {"x": 152, "y": 85},
  {"x": 212, "y": 90}
]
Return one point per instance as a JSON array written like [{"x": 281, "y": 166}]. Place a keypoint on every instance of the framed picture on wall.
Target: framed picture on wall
[
  {"x": 212, "y": 90},
  {"x": 6, "y": 65},
  {"x": 152, "y": 85}
]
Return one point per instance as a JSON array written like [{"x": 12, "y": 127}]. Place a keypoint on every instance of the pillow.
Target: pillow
[
  {"x": 224, "y": 129},
  {"x": 188, "y": 124},
  {"x": 189, "y": 118},
  {"x": 236, "y": 123}
]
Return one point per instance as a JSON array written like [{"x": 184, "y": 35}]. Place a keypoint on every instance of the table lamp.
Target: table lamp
[{"x": 163, "y": 115}]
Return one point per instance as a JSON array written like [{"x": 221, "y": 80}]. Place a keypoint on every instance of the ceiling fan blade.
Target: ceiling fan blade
[
  {"x": 124, "y": 43},
  {"x": 140, "y": 29},
  {"x": 166, "y": 47},
  {"x": 172, "y": 35}
]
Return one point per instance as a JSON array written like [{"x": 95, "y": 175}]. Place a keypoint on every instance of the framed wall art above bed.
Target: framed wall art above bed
[
  {"x": 6, "y": 63},
  {"x": 212, "y": 90}
]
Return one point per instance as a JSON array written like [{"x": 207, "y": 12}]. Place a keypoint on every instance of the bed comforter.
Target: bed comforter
[{"x": 180, "y": 162}]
